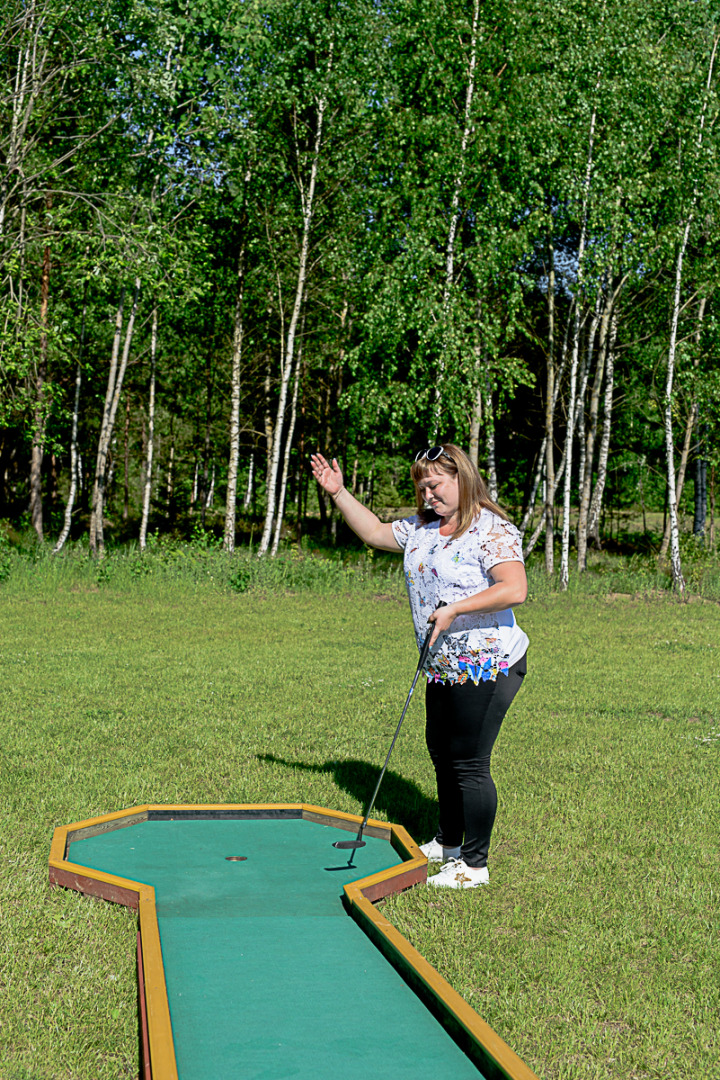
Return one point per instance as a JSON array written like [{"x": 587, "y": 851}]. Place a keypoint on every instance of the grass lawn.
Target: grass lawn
[{"x": 595, "y": 950}]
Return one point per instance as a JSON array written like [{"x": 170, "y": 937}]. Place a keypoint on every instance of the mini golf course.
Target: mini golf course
[{"x": 249, "y": 965}]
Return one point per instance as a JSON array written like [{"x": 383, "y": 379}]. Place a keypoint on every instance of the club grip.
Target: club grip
[{"x": 426, "y": 643}]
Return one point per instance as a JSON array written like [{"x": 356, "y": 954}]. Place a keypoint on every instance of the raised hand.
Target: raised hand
[{"x": 329, "y": 477}]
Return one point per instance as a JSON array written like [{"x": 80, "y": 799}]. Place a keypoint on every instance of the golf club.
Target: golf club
[{"x": 358, "y": 842}]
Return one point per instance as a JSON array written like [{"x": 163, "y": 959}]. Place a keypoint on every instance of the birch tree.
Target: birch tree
[
  {"x": 307, "y": 187},
  {"x": 455, "y": 215},
  {"x": 238, "y": 334},
  {"x": 675, "y": 560},
  {"x": 150, "y": 452},
  {"x": 49, "y": 59},
  {"x": 116, "y": 376}
]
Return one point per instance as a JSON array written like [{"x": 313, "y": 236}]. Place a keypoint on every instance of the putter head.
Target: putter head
[{"x": 349, "y": 845}]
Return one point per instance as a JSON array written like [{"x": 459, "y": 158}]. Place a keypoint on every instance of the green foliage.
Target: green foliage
[
  {"x": 187, "y": 140},
  {"x": 199, "y": 564}
]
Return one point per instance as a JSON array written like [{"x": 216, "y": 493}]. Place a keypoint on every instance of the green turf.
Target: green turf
[
  {"x": 267, "y": 975},
  {"x": 595, "y": 950}
]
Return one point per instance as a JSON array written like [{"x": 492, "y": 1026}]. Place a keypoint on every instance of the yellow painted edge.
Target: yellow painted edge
[
  {"x": 387, "y": 875},
  {"x": 96, "y": 875},
  {"x": 160, "y": 1036},
  {"x": 503, "y": 1055},
  {"x": 407, "y": 843},
  {"x": 160, "y": 1033},
  {"x": 58, "y": 847}
]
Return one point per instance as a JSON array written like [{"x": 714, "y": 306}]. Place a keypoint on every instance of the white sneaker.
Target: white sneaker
[
  {"x": 456, "y": 874},
  {"x": 435, "y": 852}
]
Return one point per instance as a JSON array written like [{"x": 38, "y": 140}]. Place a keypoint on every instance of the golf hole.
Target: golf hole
[{"x": 236, "y": 858}]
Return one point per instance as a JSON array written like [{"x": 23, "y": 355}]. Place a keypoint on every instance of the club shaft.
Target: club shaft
[
  {"x": 421, "y": 663},
  {"x": 392, "y": 747}
]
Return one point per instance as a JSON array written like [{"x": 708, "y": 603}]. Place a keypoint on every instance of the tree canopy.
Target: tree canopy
[{"x": 234, "y": 231}]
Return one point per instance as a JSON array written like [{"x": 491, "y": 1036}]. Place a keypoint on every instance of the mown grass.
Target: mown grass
[{"x": 594, "y": 952}]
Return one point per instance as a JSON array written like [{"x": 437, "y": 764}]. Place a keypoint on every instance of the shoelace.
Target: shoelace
[
  {"x": 459, "y": 866},
  {"x": 451, "y": 864}
]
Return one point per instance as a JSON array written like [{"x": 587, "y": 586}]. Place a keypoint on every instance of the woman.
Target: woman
[{"x": 459, "y": 548}]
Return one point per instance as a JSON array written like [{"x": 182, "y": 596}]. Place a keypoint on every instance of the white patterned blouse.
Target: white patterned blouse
[{"x": 477, "y": 646}]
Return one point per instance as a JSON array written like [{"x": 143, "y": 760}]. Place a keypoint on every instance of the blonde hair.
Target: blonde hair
[{"x": 472, "y": 490}]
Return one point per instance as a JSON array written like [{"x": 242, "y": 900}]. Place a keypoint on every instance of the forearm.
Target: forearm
[
  {"x": 509, "y": 587},
  {"x": 497, "y": 597},
  {"x": 364, "y": 522}
]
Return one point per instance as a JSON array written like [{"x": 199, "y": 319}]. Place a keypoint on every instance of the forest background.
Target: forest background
[{"x": 235, "y": 231}]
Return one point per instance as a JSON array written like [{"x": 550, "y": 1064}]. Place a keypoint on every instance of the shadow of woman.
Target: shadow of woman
[{"x": 402, "y": 800}]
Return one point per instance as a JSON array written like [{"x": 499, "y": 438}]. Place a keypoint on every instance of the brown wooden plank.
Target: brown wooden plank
[
  {"x": 102, "y": 886},
  {"x": 407, "y": 875},
  {"x": 160, "y": 1036},
  {"x": 144, "y": 1036},
  {"x": 380, "y": 830}
]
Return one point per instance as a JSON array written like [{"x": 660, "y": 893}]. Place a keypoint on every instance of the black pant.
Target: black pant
[{"x": 463, "y": 722}]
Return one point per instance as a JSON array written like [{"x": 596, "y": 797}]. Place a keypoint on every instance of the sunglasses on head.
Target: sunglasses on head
[{"x": 432, "y": 454}]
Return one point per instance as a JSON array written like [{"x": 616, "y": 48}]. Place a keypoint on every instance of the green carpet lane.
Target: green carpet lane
[{"x": 268, "y": 978}]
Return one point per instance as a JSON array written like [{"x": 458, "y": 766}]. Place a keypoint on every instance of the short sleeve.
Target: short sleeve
[
  {"x": 499, "y": 542},
  {"x": 403, "y": 529}
]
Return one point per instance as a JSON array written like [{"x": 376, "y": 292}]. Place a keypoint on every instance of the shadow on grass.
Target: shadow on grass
[{"x": 402, "y": 800}]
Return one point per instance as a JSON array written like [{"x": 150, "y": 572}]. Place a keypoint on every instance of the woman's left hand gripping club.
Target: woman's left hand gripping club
[{"x": 442, "y": 618}]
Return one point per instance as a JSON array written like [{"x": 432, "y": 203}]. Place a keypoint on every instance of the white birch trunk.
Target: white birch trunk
[
  {"x": 711, "y": 535},
  {"x": 549, "y": 496},
  {"x": 593, "y": 525},
  {"x": 194, "y": 490},
  {"x": 40, "y": 410},
  {"x": 585, "y": 471},
  {"x": 572, "y": 416},
  {"x": 74, "y": 466},
  {"x": 572, "y": 403},
  {"x": 550, "y": 399},
  {"x": 476, "y": 416},
  {"x": 476, "y": 407},
  {"x": 75, "y": 463},
  {"x": 286, "y": 459},
  {"x": 170, "y": 478},
  {"x": 691, "y": 421},
  {"x": 24, "y": 95},
  {"x": 112, "y": 399},
  {"x": 147, "y": 487},
  {"x": 584, "y": 377},
  {"x": 549, "y": 491},
  {"x": 307, "y": 208},
  {"x": 211, "y": 490},
  {"x": 104, "y": 439},
  {"x": 530, "y": 508},
  {"x": 490, "y": 445},
  {"x": 675, "y": 562},
  {"x": 234, "y": 460},
  {"x": 251, "y": 475},
  {"x": 455, "y": 219}
]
